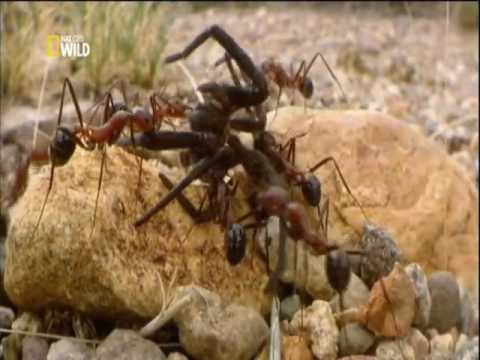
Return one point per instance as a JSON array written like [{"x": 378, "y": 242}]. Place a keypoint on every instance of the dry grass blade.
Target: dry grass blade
[{"x": 275, "y": 332}]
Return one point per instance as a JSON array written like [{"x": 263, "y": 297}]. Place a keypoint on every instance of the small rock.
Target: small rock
[
  {"x": 318, "y": 322},
  {"x": 391, "y": 307},
  {"x": 126, "y": 345},
  {"x": 176, "y": 356},
  {"x": 6, "y": 317},
  {"x": 446, "y": 309},
  {"x": 382, "y": 253},
  {"x": 354, "y": 339},
  {"x": 355, "y": 295},
  {"x": 210, "y": 329},
  {"x": 34, "y": 348},
  {"x": 444, "y": 344},
  {"x": 295, "y": 348},
  {"x": 11, "y": 347},
  {"x": 289, "y": 306},
  {"x": 461, "y": 341},
  {"x": 28, "y": 322},
  {"x": 423, "y": 300},
  {"x": 469, "y": 351},
  {"x": 395, "y": 350},
  {"x": 418, "y": 342},
  {"x": 467, "y": 313},
  {"x": 67, "y": 349}
]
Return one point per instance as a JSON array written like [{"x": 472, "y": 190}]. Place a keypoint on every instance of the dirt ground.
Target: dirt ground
[
  {"x": 414, "y": 65},
  {"x": 412, "y": 62}
]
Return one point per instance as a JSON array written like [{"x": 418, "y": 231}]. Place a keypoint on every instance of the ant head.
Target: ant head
[
  {"x": 62, "y": 146},
  {"x": 307, "y": 88},
  {"x": 235, "y": 243},
  {"x": 337, "y": 267},
  {"x": 311, "y": 189}
]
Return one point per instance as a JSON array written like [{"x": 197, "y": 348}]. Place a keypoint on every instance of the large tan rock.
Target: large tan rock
[
  {"x": 405, "y": 182},
  {"x": 119, "y": 270}
]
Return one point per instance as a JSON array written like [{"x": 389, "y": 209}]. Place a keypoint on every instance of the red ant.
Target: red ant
[{"x": 116, "y": 116}]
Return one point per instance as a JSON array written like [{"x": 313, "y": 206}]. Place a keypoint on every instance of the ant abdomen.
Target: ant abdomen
[
  {"x": 337, "y": 267},
  {"x": 235, "y": 243},
  {"x": 62, "y": 147},
  {"x": 311, "y": 189}
]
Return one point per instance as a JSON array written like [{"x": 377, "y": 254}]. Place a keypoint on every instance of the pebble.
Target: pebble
[
  {"x": 423, "y": 300},
  {"x": 319, "y": 324},
  {"x": 419, "y": 343},
  {"x": 127, "y": 345},
  {"x": 355, "y": 295},
  {"x": 34, "y": 348},
  {"x": 67, "y": 349},
  {"x": 469, "y": 351},
  {"x": 446, "y": 309},
  {"x": 295, "y": 348},
  {"x": 6, "y": 317},
  {"x": 382, "y": 253},
  {"x": 467, "y": 313},
  {"x": 28, "y": 322},
  {"x": 176, "y": 356},
  {"x": 211, "y": 329},
  {"x": 289, "y": 306},
  {"x": 394, "y": 350},
  {"x": 11, "y": 347},
  {"x": 354, "y": 339},
  {"x": 442, "y": 343},
  {"x": 391, "y": 307}
]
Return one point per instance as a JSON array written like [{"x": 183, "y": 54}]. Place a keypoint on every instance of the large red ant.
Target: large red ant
[{"x": 116, "y": 116}]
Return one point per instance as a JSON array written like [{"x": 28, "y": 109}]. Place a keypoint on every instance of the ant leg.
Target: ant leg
[
  {"x": 243, "y": 97},
  {"x": 223, "y": 156},
  {"x": 330, "y": 71},
  {"x": 344, "y": 182},
  {"x": 198, "y": 215},
  {"x": 67, "y": 136}
]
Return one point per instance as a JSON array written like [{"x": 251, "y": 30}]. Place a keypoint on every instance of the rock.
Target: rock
[
  {"x": 419, "y": 343},
  {"x": 442, "y": 344},
  {"x": 461, "y": 341},
  {"x": 381, "y": 254},
  {"x": 295, "y": 348},
  {"x": 391, "y": 307},
  {"x": 11, "y": 347},
  {"x": 212, "y": 329},
  {"x": 67, "y": 349},
  {"x": 469, "y": 351},
  {"x": 34, "y": 348},
  {"x": 354, "y": 339},
  {"x": 176, "y": 356},
  {"x": 28, "y": 322},
  {"x": 319, "y": 325},
  {"x": 446, "y": 308},
  {"x": 355, "y": 295},
  {"x": 395, "y": 350},
  {"x": 6, "y": 317},
  {"x": 358, "y": 357},
  {"x": 289, "y": 306},
  {"x": 404, "y": 181},
  {"x": 117, "y": 271},
  {"x": 301, "y": 266},
  {"x": 127, "y": 344},
  {"x": 467, "y": 313},
  {"x": 423, "y": 300}
]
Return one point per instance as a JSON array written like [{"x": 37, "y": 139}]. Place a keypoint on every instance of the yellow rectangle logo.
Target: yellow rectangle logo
[{"x": 53, "y": 46}]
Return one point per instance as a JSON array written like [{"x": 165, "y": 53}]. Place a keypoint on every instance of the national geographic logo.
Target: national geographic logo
[{"x": 71, "y": 46}]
